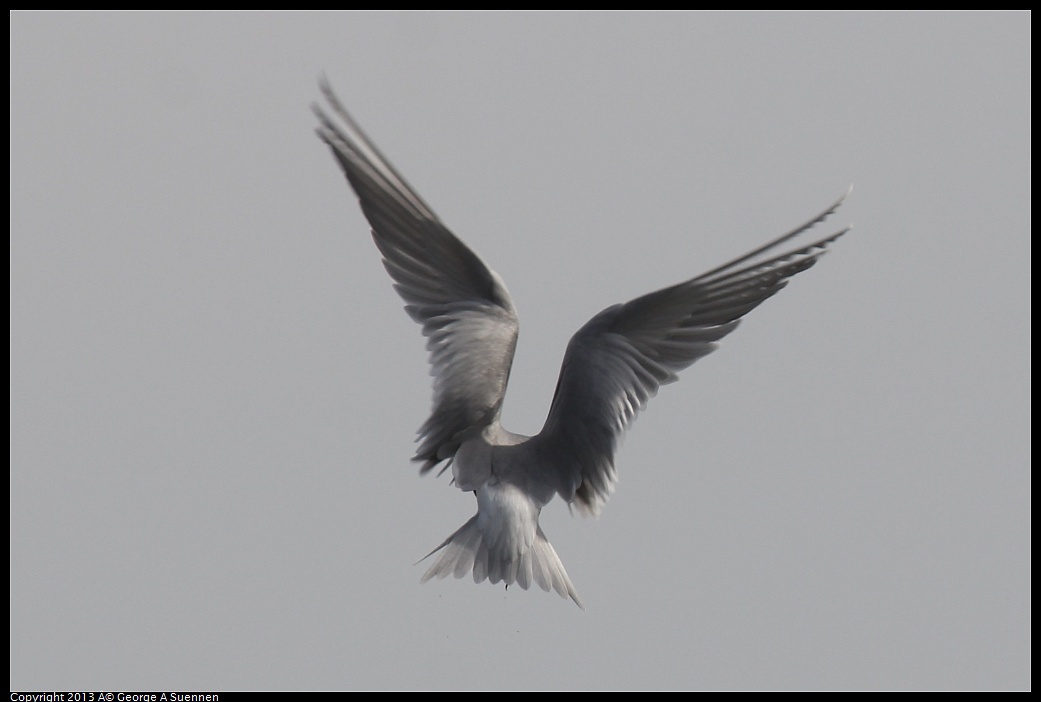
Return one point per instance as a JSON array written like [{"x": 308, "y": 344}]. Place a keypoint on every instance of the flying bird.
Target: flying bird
[{"x": 613, "y": 365}]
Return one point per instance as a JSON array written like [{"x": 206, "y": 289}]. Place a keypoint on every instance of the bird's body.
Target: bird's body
[{"x": 612, "y": 366}]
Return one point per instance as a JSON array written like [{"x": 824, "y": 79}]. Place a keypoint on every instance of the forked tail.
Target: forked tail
[{"x": 468, "y": 549}]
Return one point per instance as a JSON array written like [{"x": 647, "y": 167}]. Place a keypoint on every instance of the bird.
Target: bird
[{"x": 612, "y": 366}]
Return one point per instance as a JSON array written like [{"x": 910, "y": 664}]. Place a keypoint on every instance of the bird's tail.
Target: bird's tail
[{"x": 468, "y": 549}]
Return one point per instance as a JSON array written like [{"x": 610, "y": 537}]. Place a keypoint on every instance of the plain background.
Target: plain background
[{"x": 214, "y": 389}]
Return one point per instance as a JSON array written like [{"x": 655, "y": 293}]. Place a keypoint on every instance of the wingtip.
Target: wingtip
[
  {"x": 842, "y": 199},
  {"x": 334, "y": 102},
  {"x": 834, "y": 208},
  {"x": 324, "y": 85}
]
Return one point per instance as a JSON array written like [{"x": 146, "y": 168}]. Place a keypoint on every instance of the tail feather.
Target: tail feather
[{"x": 467, "y": 550}]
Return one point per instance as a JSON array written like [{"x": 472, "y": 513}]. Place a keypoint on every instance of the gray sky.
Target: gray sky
[{"x": 214, "y": 390}]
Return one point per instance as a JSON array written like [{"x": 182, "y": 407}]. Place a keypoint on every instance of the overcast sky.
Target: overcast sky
[{"x": 214, "y": 390}]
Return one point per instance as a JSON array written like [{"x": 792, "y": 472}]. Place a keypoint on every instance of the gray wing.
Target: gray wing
[
  {"x": 617, "y": 361},
  {"x": 467, "y": 314}
]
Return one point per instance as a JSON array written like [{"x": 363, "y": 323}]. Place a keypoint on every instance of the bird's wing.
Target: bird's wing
[
  {"x": 467, "y": 314},
  {"x": 617, "y": 361}
]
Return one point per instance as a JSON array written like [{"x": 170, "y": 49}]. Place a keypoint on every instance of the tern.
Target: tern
[{"x": 613, "y": 365}]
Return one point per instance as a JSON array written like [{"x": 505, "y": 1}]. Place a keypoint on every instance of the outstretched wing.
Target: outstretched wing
[
  {"x": 467, "y": 314},
  {"x": 617, "y": 361}
]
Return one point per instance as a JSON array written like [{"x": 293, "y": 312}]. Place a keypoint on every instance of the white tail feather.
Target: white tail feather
[{"x": 468, "y": 550}]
